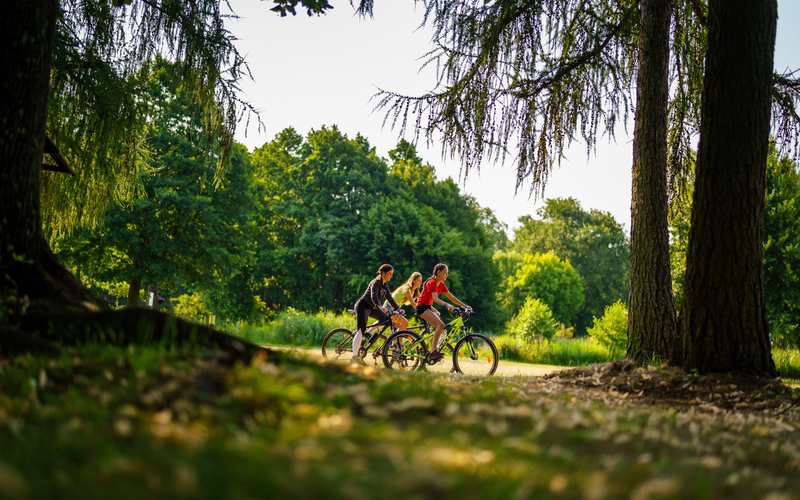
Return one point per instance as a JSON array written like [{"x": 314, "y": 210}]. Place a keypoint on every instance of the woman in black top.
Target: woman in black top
[{"x": 369, "y": 305}]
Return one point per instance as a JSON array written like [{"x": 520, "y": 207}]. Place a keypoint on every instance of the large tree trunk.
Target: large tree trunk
[
  {"x": 723, "y": 325},
  {"x": 28, "y": 266},
  {"x": 651, "y": 305}
]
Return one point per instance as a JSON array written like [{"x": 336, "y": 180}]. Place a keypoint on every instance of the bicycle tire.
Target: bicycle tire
[
  {"x": 338, "y": 344},
  {"x": 397, "y": 358},
  {"x": 475, "y": 354}
]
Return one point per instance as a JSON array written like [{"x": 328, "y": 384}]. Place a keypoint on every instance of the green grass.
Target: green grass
[
  {"x": 295, "y": 328},
  {"x": 561, "y": 352},
  {"x": 106, "y": 422},
  {"x": 787, "y": 361}
]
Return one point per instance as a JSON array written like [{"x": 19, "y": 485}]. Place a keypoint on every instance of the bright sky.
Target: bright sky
[{"x": 310, "y": 72}]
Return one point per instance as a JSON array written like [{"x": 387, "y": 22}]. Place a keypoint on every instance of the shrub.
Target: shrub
[
  {"x": 534, "y": 322},
  {"x": 190, "y": 307},
  {"x": 549, "y": 279},
  {"x": 612, "y": 329}
]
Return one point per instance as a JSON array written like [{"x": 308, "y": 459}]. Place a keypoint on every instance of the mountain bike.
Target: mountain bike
[
  {"x": 472, "y": 354},
  {"x": 338, "y": 343}
]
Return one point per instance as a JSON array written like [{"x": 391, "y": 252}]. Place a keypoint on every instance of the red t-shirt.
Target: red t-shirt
[{"x": 425, "y": 298}]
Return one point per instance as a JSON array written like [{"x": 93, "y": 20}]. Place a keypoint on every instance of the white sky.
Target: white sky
[{"x": 310, "y": 72}]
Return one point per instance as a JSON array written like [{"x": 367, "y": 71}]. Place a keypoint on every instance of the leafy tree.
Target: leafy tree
[
  {"x": 314, "y": 192},
  {"x": 550, "y": 279},
  {"x": 611, "y": 330},
  {"x": 48, "y": 41},
  {"x": 182, "y": 232},
  {"x": 593, "y": 242},
  {"x": 534, "y": 320}
]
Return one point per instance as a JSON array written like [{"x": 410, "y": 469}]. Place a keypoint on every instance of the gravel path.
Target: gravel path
[{"x": 504, "y": 368}]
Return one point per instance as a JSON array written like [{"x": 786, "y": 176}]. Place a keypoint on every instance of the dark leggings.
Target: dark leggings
[{"x": 363, "y": 312}]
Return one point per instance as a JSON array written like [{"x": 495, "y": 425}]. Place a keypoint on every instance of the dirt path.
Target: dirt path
[{"x": 504, "y": 368}]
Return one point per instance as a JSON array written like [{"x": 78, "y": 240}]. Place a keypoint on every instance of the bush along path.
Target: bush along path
[{"x": 138, "y": 422}]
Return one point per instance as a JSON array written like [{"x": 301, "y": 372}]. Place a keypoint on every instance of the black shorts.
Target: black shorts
[{"x": 422, "y": 308}]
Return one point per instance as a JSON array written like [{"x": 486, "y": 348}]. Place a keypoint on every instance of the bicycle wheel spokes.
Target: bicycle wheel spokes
[
  {"x": 443, "y": 364},
  {"x": 403, "y": 351},
  {"x": 475, "y": 354},
  {"x": 338, "y": 345}
]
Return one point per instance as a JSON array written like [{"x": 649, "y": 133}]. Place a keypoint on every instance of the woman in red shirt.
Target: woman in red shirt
[{"x": 430, "y": 293}]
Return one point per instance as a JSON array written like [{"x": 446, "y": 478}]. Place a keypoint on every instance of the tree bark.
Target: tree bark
[
  {"x": 28, "y": 266},
  {"x": 651, "y": 305},
  {"x": 133, "y": 293},
  {"x": 723, "y": 325}
]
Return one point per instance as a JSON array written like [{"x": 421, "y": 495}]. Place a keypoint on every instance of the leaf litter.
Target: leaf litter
[{"x": 195, "y": 424}]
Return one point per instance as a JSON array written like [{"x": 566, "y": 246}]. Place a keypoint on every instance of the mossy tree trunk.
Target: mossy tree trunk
[
  {"x": 651, "y": 306},
  {"x": 27, "y": 30},
  {"x": 723, "y": 325}
]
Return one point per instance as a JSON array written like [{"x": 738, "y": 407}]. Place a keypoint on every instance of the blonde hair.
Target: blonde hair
[{"x": 410, "y": 281}]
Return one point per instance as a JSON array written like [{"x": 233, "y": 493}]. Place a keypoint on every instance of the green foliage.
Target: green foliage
[
  {"x": 331, "y": 212},
  {"x": 104, "y": 422},
  {"x": 787, "y": 362},
  {"x": 184, "y": 233},
  {"x": 534, "y": 322},
  {"x": 296, "y": 328},
  {"x": 100, "y": 101},
  {"x": 593, "y": 242},
  {"x": 548, "y": 278},
  {"x": 559, "y": 352},
  {"x": 782, "y": 251},
  {"x": 611, "y": 330},
  {"x": 189, "y": 306}
]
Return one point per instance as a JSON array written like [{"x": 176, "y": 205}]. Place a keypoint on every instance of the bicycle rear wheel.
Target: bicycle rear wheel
[
  {"x": 475, "y": 354},
  {"x": 403, "y": 351},
  {"x": 338, "y": 345}
]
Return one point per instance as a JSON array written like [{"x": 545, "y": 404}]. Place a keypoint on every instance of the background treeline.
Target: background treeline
[{"x": 304, "y": 221}]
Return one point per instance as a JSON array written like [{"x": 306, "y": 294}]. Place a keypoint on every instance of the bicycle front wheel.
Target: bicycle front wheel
[
  {"x": 338, "y": 345},
  {"x": 403, "y": 351},
  {"x": 475, "y": 354}
]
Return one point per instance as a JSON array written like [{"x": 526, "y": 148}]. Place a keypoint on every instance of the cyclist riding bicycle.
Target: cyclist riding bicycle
[
  {"x": 369, "y": 305},
  {"x": 434, "y": 287}
]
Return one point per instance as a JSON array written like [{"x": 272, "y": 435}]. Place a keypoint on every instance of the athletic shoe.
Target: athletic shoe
[
  {"x": 356, "y": 359},
  {"x": 434, "y": 355}
]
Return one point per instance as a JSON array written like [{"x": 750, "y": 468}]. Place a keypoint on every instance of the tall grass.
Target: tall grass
[
  {"x": 295, "y": 328},
  {"x": 787, "y": 361},
  {"x": 561, "y": 352}
]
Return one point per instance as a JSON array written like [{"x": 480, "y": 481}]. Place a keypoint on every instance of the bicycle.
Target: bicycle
[
  {"x": 473, "y": 353},
  {"x": 339, "y": 341}
]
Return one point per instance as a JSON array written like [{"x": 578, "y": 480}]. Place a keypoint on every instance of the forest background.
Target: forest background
[{"x": 303, "y": 222}]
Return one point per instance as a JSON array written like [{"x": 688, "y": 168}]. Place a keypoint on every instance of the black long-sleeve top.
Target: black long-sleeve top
[{"x": 376, "y": 291}]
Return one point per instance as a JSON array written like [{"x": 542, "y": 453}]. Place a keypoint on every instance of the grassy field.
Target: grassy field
[
  {"x": 294, "y": 328},
  {"x": 133, "y": 423}
]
